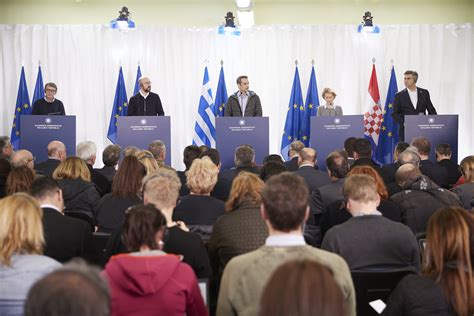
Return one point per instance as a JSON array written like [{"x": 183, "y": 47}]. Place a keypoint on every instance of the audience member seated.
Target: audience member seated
[
  {"x": 274, "y": 158},
  {"x": 147, "y": 281},
  {"x": 284, "y": 210},
  {"x": 126, "y": 188},
  {"x": 241, "y": 229},
  {"x": 390, "y": 169},
  {"x": 408, "y": 156},
  {"x": 21, "y": 248},
  {"x": 158, "y": 150},
  {"x": 65, "y": 237},
  {"x": 74, "y": 290},
  {"x": 110, "y": 158},
  {"x": 130, "y": 151},
  {"x": 87, "y": 151},
  {"x": 199, "y": 209},
  {"x": 363, "y": 157},
  {"x": 466, "y": 191},
  {"x": 443, "y": 157},
  {"x": 79, "y": 193},
  {"x": 368, "y": 239},
  {"x": 446, "y": 286},
  {"x": 302, "y": 287},
  {"x": 295, "y": 147},
  {"x": 270, "y": 169},
  {"x": 19, "y": 180},
  {"x": 6, "y": 148},
  {"x": 5, "y": 169},
  {"x": 244, "y": 160},
  {"x": 337, "y": 213},
  {"x": 420, "y": 197},
  {"x": 436, "y": 172},
  {"x": 221, "y": 190},
  {"x": 22, "y": 158},
  {"x": 190, "y": 153},
  {"x": 349, "y": 149},
  {"x": 56, "y": 154},
  {"x": 148, "y": 161},
  {"x": 313, "y": 178}
]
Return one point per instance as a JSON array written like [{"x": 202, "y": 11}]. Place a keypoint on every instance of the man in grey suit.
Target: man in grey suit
[
  {"x": 314, "y": 178},
  {"x": 244, "y": 102}
]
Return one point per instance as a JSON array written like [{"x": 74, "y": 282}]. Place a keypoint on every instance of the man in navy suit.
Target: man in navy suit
[{"x": 411, "y": 101}]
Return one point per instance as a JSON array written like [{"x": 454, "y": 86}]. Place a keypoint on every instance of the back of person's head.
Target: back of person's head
[
  {"x": 443, "y": 150},
  {"x": 22, "y": 158},
  {"x": 202, "y": 176},
  {"x": 295, "y": 147},
  {"x": 87, "y": 151},
  {"x": 285, "y": 200},
  {"x": 4, "y": 145},
  {"x": 19, "y": 180},
  {"x": 130, "y": 151},
  {"x": 409, "y": 156},
  {"x": 158, "y": 149},
  {"x": 144, "y": 226},
  {"x": 272, "y": 157},
  {"x": 303, "y": 288},
  {"x": 72, "y": 168},
  {"x": 363, "y": 148},
  {"x": 74, "y": 290},
  {"x": 246, "y": 188},
  {"x": 56, "y": 149},
  {"x": 467, "y": 168},
  {"x": 161, "y": 188},
  {"x": 371, "y": 172},
  {"x": 399, "y": 148},
  {"x": 271, "y": 169},
  {"x": 213, "y": 154},
  {"x": 128, "y": 179},
  {"x": 148, "y": 161},
  {"x": 450, "y": 256},
  {"x": 21, "y": 227},
  {"x": 337, "y": 165},
  {"x": 111, "y": 155},
  {"x": 422, "y": 144},
  {"x": 5, "y": 167},
  {"x": 44, "y": 187},
  {"x": 406, "y": 175},
  {"x": 244, "y": 156},
  {"x": 203, "y": 148},
  {"x": 308, "y": 155},
  {"x": 190, "y": 153},
  {"x": 349, "y": 146},
  {"x": 360, "y": 188}
]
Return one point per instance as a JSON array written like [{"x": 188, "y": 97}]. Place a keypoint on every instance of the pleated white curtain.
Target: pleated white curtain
[{"x": 84, "y": 60}]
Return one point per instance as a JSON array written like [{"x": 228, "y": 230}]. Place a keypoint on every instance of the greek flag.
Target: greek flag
[{"x": 205, "y": 128}]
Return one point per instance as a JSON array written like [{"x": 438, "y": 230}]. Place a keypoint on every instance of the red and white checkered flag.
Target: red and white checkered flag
[{"x": 374, "y": 115}]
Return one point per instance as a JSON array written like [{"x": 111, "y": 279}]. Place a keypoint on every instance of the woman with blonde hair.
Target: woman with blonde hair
[
  {"x": 147, "y": 159},
  {"x": 21, "y": 248},
  {"x": 446, "y": 286},
  {"x": 241, "y": 229},
  {"x": 19, "y": 180},
  {"x": 329, "y": 109},
  {"x": 79, "y": 193},
  {"x": 466, "y": 191}
]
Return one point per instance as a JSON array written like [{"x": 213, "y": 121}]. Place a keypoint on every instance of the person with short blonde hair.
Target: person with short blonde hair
[
  {"x": 72, "y": 168},
  {"x": 147, "y": 159},
  {"x": 21, "y": 248},
  {"x": 329, "y": 109},
  {"x": 202, "y": 176}
]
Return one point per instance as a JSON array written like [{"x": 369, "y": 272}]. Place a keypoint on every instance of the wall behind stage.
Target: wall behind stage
[{"x": 84, "y": 61}]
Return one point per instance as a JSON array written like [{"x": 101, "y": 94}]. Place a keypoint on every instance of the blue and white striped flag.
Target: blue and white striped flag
[{"x": 205, "y": 128}]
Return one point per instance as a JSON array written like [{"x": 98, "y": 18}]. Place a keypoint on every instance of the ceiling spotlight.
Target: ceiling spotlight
[
  {"x": 229, "y": 28},
  {"x": 123, "y": 22},
  {"x": 243, "y": 4},
  {"x": 367, "y": 25}
]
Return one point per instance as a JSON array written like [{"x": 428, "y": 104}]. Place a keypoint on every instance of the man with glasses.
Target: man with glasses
[
  {"x": 145, "y": 102},
  {"x": 49, "y": 105}
]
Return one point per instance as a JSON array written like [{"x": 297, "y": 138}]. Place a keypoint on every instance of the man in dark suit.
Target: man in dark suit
[
  {"x": 56, "y": 154},
  {"x": 391, "y": 168},
  {"x": 244, "y": 102},
  {"x": 443, "y": 156},
  {"x": 314, "y": 178},
  {"x": 363, "y": 156},
  {"x": 410, "y": 101},
  {"x": 87, "y": 151},
  {"x": 65, "y": 237},
  {"x": 145, "y": 102},
  {"x": 437, "y": 173},
  {"x": 295, "y": 148},
  {"x": 244, "y": 160}
]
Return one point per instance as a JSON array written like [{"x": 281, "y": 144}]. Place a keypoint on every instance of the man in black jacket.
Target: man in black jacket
[
  {"x": 443, "y": 157},
  {"x": 436, "y": 172},
  {"x": 145, "y": 102},
  {"x": 314, "y": 178},
  {"x": 244, "y": 102},
  {"x": 87, "y": 151},
  {"x": 56, "y": 154}
]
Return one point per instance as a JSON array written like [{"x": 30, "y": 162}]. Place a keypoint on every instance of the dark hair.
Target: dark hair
[
  {"x": 285, "y": 198},
  {"x": 401, "y": 146},
  {"x": 303, "y": 288},
  {"x": 142, "y": 222},
  {"x": 81, "y": 290},
  {"x": 239, "y": 79},
  {"x": 190, "y": 153},
  {"x": 336, "y": 163},
  {"x": 4, "y": 141},
  {"x": 19, "y": 180},
  {"x": 444, "y": 149},
  {"x": 244, "y": 155},
  {"x": 363, "y": 148},
  {"x": 273, "y": 157},
  {"x": 213, "y": 154},
  {"x": 128, "y": 179},
  {"x": 111, "y": 155},
  {"x": 270, "y": 169},
  {"x": 349, "y": 146},
  {"x": 52, "y": 85},
  {"x": 43, "y": 187},
  {"x": 5, "y": 167},
  {"x": 422, "y": 144},
  {"x": 157, "y": 148},
  {"x": 413, "y": 73}
]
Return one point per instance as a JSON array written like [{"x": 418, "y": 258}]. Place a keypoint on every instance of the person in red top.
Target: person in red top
[{"x": 147, "y": 281}]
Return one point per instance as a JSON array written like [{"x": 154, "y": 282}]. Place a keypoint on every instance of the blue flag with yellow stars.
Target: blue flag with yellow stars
[
  {"x": 119, "y": 108},
  {"x": 39, "y": 88},
  {"x": 22, "y": 107},
  {"x": 221, "y": 95},
  {"x": 295, "y": 112},
  {"x": 137, "y": 85},
  {"x": 310, "y": 108},
  {"x": 388, "y": 138}
]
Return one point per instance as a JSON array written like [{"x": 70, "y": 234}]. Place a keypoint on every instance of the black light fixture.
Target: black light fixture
[
  {"x": 123, "y": 22},
  {"x": 229, "y": 28},
  {"x": 367, "y": 25},
  {"x": 229, "y": 19}
]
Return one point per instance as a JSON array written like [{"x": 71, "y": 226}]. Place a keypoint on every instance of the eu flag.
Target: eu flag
[
  {"x": 292, "y": 129},
  {"x": 22, "y": 107},
  {"x": 221, "y": 95},
  {"x": 119, "y": 108},
  {"x": 205, "y": 127},
  {"x": 137, "y": 85},
  {"x": 39, "y": 88},
  {"x": 310, "y": 108},
  {"x": 389, "y": 132}
]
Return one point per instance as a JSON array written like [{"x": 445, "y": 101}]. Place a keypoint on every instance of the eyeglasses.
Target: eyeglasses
[{"x": 50, "y": 90}]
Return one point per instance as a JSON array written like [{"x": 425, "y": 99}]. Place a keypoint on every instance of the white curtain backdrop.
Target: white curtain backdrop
[{"x": 84, "y": 60}]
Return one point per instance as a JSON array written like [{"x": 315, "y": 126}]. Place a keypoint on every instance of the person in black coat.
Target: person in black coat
[
  {"x": 87, "y": 151},
  {"x": 56, "y": 154},
  {"x": 314, "y": 178},
  {"x": 65, "y": 237},
  {"x": 145, "y": 102},
  {"x": 363, "y": 157},
  {"x": 443, "y": 157},
  {"x": 410, "y": 101},
  {"x": 436, "y": 172},
  {"x": 110, "y": 158}
]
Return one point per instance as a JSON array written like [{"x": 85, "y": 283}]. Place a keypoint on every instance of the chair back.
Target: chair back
[
  {"x": 82, "y": 216},
  {"x": 97, "y": 248}
]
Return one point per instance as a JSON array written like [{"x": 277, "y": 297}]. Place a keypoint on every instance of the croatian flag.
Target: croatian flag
[{"x": 374, "y": 115}]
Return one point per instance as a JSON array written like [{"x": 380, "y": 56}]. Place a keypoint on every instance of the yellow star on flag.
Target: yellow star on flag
[
  {"x": 116, "y": 116},
  {"x": 301, "y": 108},
  {"x": 289, "y": 137},
  {"x": 125, "y": 104},
  {"x": 384, "y": 128},
  {"x": 17, "y": 133},
  {"x": 305, "y": 137},
  {"x": 18, "y": 109},
  {"x": 295, "y": 106},
  {"x": 120, "y": 108},
  {"x": 25, "y": 106},
  {"x": 390, "y": 105},
  {"x": 390, "y": 134},
  {"x": 310, "y": 106}
]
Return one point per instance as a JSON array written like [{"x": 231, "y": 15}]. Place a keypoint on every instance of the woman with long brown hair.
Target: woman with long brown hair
[
  {"x": 19, "y": 180},
  {"x": 446, "y": 286}
]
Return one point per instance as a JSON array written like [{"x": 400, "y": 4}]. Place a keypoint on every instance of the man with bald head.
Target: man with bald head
[
  {"x": 56, "y": 154},
  {"x": 314, "y": 178},
  {"x": 23, "y": 157},
  {"x": 145, "y": 102}
]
